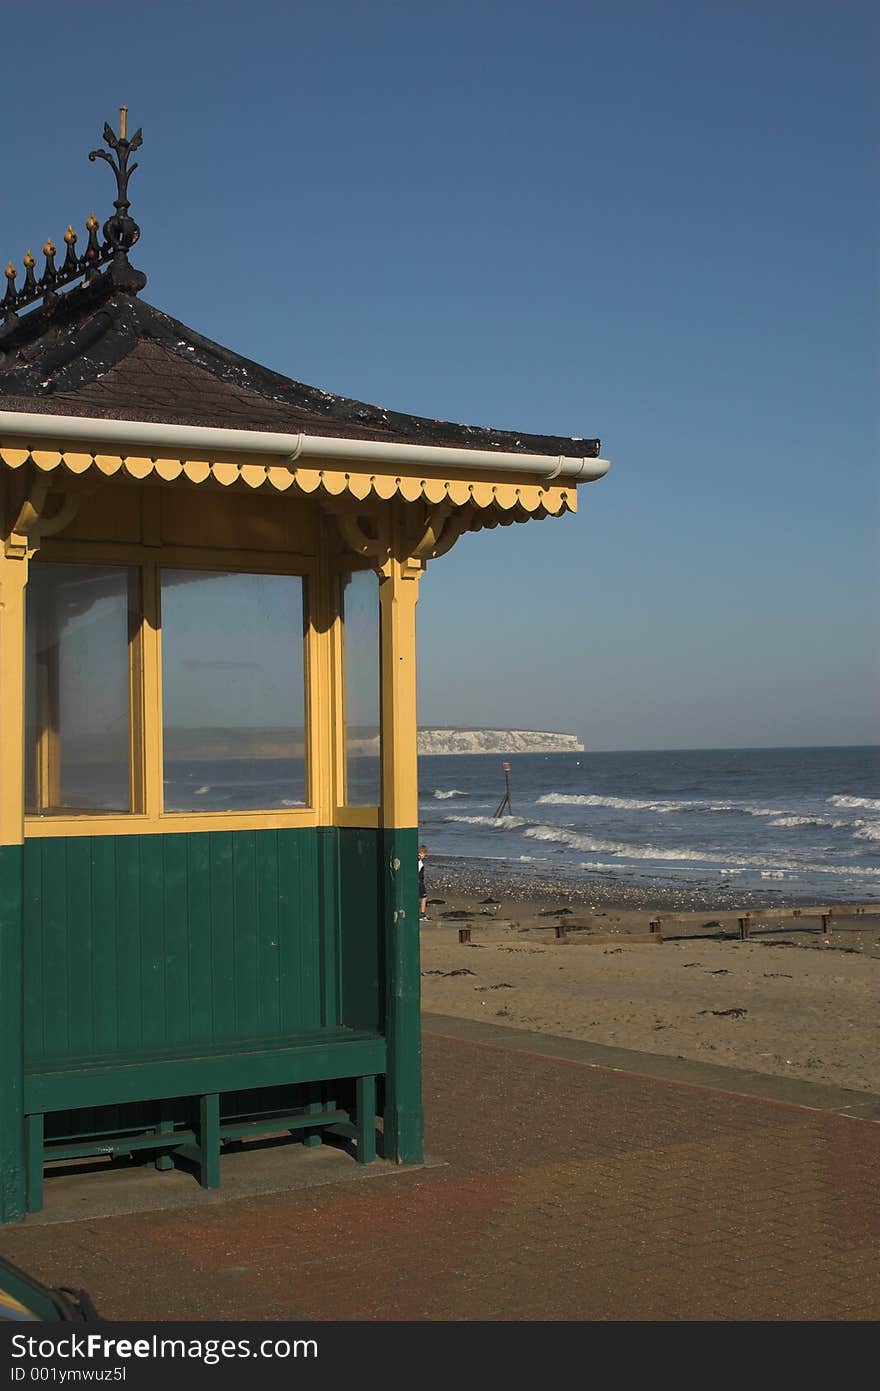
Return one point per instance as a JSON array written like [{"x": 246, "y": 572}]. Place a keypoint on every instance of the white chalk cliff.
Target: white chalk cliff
[{"x": 497, "y": 741}]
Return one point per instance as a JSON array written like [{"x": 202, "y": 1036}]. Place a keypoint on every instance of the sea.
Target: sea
[{"x": 786, "y": 824}]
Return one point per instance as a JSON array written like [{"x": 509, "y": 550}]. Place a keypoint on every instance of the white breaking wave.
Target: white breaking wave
[
  {"x": 562, "y": 799},
  {"x": 500, "y": 823},
  {"x": 807, "y": 821},
  {"x": 871, "y": 803},
  {"x": 453, "y": 792},
  {"x": 868, "y": 830},
  {"x": 565, "y": 799},
  {"x": 576, "y": 841},
  {"x": 725, "y": 863}
]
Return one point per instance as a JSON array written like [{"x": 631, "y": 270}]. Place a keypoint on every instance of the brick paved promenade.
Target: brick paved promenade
[{"x": 564, "y": 1190}]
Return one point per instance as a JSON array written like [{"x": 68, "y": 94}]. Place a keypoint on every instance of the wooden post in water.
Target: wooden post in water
[
  {"x": 505, "y": 800},
  {"x": 464, "y": 934}
]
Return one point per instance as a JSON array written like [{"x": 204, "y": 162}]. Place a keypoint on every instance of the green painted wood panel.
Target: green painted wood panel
[
  {"x": 12, "y": 1155},
  {"x": 105, "y": 924},
  {"x": 198, "y": 899},
  {"x": 361, "y": 892},
  {"x": 148, "y": 941},
  {"x": 404, "y": 1122},
  {"x": 329, "y": 935}
]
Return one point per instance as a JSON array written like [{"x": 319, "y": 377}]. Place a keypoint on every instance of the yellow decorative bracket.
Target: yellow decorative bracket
[
  {"x": 357, "y": 540},
  {"x": 31, "y": 524},
  {"x": 434, "y": 533},
  {"x": 440, "y": 534}
]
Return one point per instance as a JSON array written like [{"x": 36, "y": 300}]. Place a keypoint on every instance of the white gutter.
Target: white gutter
[{"x": 135, "y": 434}]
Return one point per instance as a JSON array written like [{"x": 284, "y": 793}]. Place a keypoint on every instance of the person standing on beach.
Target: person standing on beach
[{"x": 423, "y": 893}]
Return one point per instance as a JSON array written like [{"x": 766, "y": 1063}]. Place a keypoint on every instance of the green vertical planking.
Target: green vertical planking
[
  {"x": 145, "y": 941},
  {"x": 56, "y": 948},
  {"x": 299, "y": 994},
  {"x": 327, "y": 878},
  {"x": 79, "y": 916},
  {"x": 222, "y": 935},
  {"x": 153, "y": 1024},
  {"x": 104, "y": 943},
  {"x": 198, "y": 918},
  {"x": 244, "y": 879},
  {"x": 307, "y": 927},
  {"x": 268, "y": 934},
  {"x": 404, "y": 1123},
  {"x": 12, "y": 1155},
  {"x": 31, "y": 881},
  {"x": 175, "y": 959},
  {"x": 360, "y": 928},
  {"x": 128, "y": 939}
]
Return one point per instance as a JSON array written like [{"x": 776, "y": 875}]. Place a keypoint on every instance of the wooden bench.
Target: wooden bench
[{"x": 203, "y": 1073}]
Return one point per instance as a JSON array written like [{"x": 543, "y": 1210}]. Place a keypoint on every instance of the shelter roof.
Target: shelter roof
[
  {"x": 106, "y": 354},
  {"x": 188, "y": 407}
]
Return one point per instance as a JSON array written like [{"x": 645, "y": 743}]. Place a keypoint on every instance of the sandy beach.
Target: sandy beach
[{"x": 790, "y": 1001}]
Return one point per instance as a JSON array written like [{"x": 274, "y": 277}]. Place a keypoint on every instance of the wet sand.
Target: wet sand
[{"x": 791, "y": 1000}]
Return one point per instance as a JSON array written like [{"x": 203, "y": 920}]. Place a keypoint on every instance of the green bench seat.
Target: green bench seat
[{"x": 204, "y": 1072}]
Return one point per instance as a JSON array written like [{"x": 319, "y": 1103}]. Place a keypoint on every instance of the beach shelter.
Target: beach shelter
[{"x": 208, "y": 784}]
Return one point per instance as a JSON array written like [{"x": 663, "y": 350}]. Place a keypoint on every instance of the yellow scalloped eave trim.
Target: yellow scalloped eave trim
[{"x": 516, "y": 498}]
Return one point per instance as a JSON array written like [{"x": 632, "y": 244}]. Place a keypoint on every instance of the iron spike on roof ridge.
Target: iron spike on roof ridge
[{"x": 120, "y": 234}]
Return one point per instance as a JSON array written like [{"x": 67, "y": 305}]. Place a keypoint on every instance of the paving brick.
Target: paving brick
[{"x": 649, "y": 1200}]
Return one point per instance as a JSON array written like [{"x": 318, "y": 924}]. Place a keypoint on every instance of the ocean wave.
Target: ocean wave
[
  {"x": 725, "y": 862},
  {"x": 577, "y": 841},
  {"x": 453, "y": 792},
  {"x": 868, "y": 830},
  {"x": 563, "y": 799},
  {"x": 843, "y": 800},
  {"x": 663, "y": 808},
  {"x": 807, "y": 821},
  {"x": 498, "y": 823},
  {"x": 772, "y": 874}
]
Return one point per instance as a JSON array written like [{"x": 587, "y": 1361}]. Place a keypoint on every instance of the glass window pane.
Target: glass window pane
[
  {"x": 360, "y": 605},
  {"x": 233, "y": 691},
  {"x": 78, "y": 700}
]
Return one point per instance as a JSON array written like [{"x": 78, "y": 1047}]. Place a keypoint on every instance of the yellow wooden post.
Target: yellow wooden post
[
  {"x": 13, "y": 578},
  {"x": 398, "y": 595},
  {"x": 323, "y": 723}
]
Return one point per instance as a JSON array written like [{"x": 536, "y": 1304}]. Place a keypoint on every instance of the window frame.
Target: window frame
[
  {"x": 146, "y": 762},
  {"x": 345, "y": 813}
]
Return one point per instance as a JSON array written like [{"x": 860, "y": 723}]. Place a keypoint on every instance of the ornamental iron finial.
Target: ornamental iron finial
[
  {"x": 120, "y": 234},
  {"x": 121, "y": 231}
]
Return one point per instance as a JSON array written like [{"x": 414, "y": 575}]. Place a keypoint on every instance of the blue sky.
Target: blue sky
[{"x": 651, "y": 222}]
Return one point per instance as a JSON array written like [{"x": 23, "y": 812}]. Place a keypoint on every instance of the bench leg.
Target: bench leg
[
  {"x": 34, "y": 1144},
  {"x": 365, "y": 1119},
  {"x": 209, "y": 1141},
  {"x": 165, "y": 1127},
  {"x": 315, "y": 1104}
]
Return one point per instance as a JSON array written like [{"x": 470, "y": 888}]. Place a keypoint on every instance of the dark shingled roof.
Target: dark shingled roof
[{"x": 109, "y": 355}]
